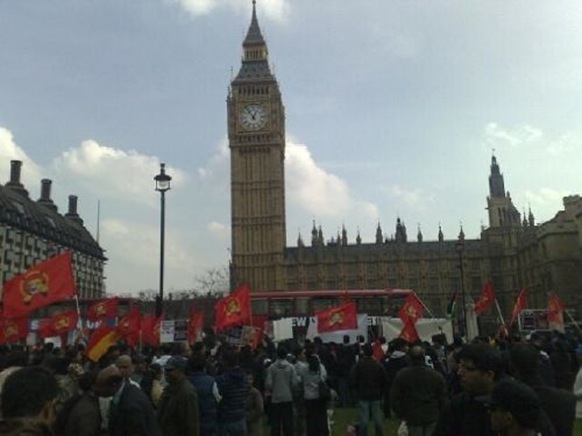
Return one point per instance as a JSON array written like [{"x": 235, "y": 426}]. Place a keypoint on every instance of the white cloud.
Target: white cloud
[
  {"x": 221, "y": 230},
  {"x": 217, "y": 165},
  {"x": 113, "y": 173},
  {"x": 413, "y": 197},
  {"x": 30, "y": 172},
  {"x": 315, "y": 190},
  {"x": 274, "y": 9}
]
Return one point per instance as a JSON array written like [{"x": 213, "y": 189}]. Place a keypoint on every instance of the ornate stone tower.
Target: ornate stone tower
[
  {"x": 502, "y": 212},
  {"x": 256, "y": 133}
]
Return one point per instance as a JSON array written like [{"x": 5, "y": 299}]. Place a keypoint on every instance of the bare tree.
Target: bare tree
[{"x": 212, "y": 282}]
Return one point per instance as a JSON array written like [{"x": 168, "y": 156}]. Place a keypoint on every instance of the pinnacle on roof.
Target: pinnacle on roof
[{"x": 254, "y": 35}]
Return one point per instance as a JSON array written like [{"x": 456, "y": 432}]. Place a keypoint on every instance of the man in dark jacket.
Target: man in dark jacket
[
  {"x": 131, "y": 412},
  {"x": 81, "y": 416},
  {"x": 233, "y": 389},
  {"x": 397, "y": 359},
  {"x": 207, "y": 391},
  {"x": 369, "y": 381},
  {"x": 346, "y": 359},
  {"x": 559, "y": 404},
  {"x": 178, "y": 409},
  {"x": 478, "y": 369},
  {"x": 418, "y": 394},
  {"x": 279, "y": 385}
]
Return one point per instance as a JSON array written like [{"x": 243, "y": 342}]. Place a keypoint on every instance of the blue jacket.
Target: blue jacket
[
  {"x": 234, "y": 389},
  {"x": 207, "y": 405}
]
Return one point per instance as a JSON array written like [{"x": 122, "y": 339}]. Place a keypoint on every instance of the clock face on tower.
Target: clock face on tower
[{"x": 253, "y": 116}]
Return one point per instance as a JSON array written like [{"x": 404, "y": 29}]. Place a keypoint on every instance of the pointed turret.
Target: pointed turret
[
  {"x": 344, "y": 236},
  {"x": 378, "y": 234},
  {"x": 400, "y": 231},
  {"x": 300, "y": 241},
  {"x": 314, "y": 235},
  {"x": 441, "y": 236},
  {"x": 358, "y": 238},
  {"x": 255, "y": 63},
  {"x": 461, "y": 234},
  {"x": 531, "y": 219},
  {"x": 496, "y": 184},
  {"x": 419, "y": 235},
  {"x": 502, "y": 212}
]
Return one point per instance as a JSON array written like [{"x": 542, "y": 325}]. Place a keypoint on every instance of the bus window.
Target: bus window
[
  {"x": 372, "y": 306},
  {"x": 260, "y": 307},
  {"x": 302, "y": 306},
  {"x": 281, "y": 307}
]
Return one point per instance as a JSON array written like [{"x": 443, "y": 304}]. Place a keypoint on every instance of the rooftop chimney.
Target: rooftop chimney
[
  {"x": 72, "y": 213},
  {"x": 14, "y": 182},
  {"x": 45, "y": 194}
]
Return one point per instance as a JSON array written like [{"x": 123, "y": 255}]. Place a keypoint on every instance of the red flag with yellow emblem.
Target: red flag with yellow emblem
[
  {"x": 486, "y": 299},
  {"x": 59, "y": 324},
  {"x": 128, "y": 327},
  {"x": 13, "y": 330},
  {"x": 344, "y": 317},
  {"x": 234, "y": 309},
  {"x": 409, "y": 332},
  {"x": 195, "y": 326},
  {"x": 43, "y": 284},
  {"x": 150, "y": 329},
  {"x": 412, "y": 309},
  {"x": 556, "y": 313},
  {"x": 103, "y": 309},
  {"x": 519, "y": 305}
]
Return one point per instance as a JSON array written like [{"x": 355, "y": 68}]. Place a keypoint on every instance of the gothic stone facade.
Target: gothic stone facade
[{"x": 511, "y": 253}]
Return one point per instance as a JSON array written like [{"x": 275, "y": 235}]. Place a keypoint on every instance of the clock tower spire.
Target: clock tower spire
[{"x": 256, "y": 134}]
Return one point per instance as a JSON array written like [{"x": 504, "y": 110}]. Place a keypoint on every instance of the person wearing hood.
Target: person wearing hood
[
  {"x": 280, "y": 382},
  {"x": 233, "y": 389}
]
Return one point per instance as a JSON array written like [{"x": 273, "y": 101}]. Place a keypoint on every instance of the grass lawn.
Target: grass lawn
[{"x": 343, "y": 417}]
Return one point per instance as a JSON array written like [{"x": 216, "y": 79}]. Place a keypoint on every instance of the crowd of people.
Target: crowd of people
[{"x": 487, "y": 387}]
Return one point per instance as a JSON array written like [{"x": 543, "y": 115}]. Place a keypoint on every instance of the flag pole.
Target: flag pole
[
  {"x": 499, "y": 312},
  {"x": 572, "y": 320},
  {"x": 440, "y": 327}
]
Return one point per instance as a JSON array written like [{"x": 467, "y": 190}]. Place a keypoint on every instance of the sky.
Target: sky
[{"x": 393, "y": 109}]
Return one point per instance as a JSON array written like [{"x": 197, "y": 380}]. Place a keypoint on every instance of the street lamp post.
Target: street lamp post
[
  {"x": 162, "y": 185},
  {"x": 460, "y": 246}
]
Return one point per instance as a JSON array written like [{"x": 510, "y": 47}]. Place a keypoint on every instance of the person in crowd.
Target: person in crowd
[
  {"x": 418, "y": 394},
  {"x": 279, "y": 385},
  {"x": 28, "y": 402},
  {"x": 178, "y": 408},
  {"x": 478, "y": 370},
  {"x": 130, "y": 412},
  {"x": 546, "y": 368},
  {"x": 13, "y": 362},
  {"x": 207, "y": 391},
  {"x": 68, "y": 385},
  {"x": 140, "y": 368},
  {"x": 558, "y": 404},
  {"x": 233, "y": 390},
  {"x": 255, "y": 409},
  {"x": 514, "y": 409},
  {"x": 315, "y": 407},
  {"x": 125, "y": 364},
  {"x": 298, "y": 396},
  {"x": 397, "y": 359},
  {"x": 151, "y": 383},
  {"x": 562, "y": 363},
  {"x": 369, "y": 381},
  {"x": 346, "y": 359},
  {"x": 81, "y": 416},
  {"x": 577, "y": 389}
]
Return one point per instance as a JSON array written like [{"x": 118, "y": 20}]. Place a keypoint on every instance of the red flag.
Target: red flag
[
  {"x": 344, "y": 317},
  {"x": 128, "y": 327},
  {"x": 59, "y": 324},
  {"x": 412, "y": 309},
  {"x": 13, "y": 330},
  {"x": 43, "y": 284},
  {"x": 485, "y": 300},
  {"x": 150, "y": 329},
  {"x": 234, "y": 309},
  {"x": 195, "y": 326},
  {"x": 556, "y": 313},
  {"x": 519, "y": 305},
  {"x": 100, "y": 341},
  {"x": 378, "y": 352},
  {"x": 409, "y": 332},
  {"x": 103, "y": 309}
]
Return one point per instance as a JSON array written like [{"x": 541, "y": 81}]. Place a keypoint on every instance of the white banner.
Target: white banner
[{"x": 337, "y": 336}]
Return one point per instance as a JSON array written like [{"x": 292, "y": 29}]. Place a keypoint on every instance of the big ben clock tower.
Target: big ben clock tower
[{"x": 256, "y": 133}]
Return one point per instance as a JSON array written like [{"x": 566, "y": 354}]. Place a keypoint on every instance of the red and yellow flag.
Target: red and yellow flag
[
  {"x": 59, "y": 324},
  {"x": 195, "y": 326},
  {"x": 150, "y": 329},
  {"x": 129, "y": 326},
  {"x": 520, "y": 304},
  {"x": 412, "y": 309},
  {"x": 234, "y": 309},
  {"x": 100, "y": 341},
  {"x": 103, "y": 309},
  {"x": 344, "y": 317},
  {"x": 409, "y": 332},
  {"x": 13, "y": 330},
  {"x": 556, "y": 313},
  {"x": 43, "y": 284},
  {"x": 486, "y": 299}
]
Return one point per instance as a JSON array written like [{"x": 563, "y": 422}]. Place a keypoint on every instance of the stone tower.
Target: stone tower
[
  {"x": 502, "y": 212},
  {"x": 256, "y": 133}
]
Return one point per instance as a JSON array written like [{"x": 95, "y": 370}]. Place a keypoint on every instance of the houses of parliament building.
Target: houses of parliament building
[{"x": 514, "y": 252}]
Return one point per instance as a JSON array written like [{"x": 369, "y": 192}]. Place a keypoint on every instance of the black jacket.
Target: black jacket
[
  {"x": 418, "y": 395},
  {"x": 133, "y": 414},
  {"x": 368, "y": 379}
]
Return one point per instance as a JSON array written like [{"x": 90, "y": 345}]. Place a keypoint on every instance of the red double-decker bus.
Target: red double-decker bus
[{"x": 280, "y": 304}]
